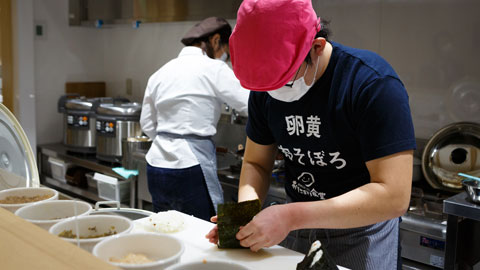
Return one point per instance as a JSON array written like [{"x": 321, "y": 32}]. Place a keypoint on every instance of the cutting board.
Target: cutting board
[
  {"x": 197, "y": 248},
  {"x": 24, "y": 245},
  {"x": 86, "y": 89}
]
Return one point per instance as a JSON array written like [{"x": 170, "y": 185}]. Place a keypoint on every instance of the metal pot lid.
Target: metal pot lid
[
  {"x": 123, "y": 109},
  {"x": 131, "y": 213},
  {"x": 17, "y": 162},
  {"x": 79, "y": 104},
  {"x": 85, "y": 104},
  {"x": 453, "y": 149}
]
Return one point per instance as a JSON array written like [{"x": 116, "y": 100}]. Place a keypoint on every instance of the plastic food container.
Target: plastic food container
[
  {"x": 59, "y": 169},
  {"x": 92, "y": 226},
  {"x": 111, "y": 188},
  {"x": 27, "y": 192},
  {"x": 48, "y": 213},
  {"x": 163, "y": 250},
  {"x": 209, "y": 265}
]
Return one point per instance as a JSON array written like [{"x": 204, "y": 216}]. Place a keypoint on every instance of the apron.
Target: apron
[
  {"x": 370, "y": 247},
  {"x": 204, "y": 150}
]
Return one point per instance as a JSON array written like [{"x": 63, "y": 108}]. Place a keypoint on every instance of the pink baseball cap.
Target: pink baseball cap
[{"x": 271, "y": 40}]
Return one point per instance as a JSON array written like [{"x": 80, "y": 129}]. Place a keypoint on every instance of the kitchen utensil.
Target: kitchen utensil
[
  {"x": 469, "y": 176},
  {"x": 17, "y": 161},
  {"x": 472, "y": 187},
  {"x": 131, "y": 145},
  {"x": 163, "y": 250},
  {"x": 451, "y": 150}
]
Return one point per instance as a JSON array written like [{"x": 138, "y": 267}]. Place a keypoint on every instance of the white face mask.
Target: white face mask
[
  {"x": 297, "y": 90},
  {"x": 223, "y": 57}
]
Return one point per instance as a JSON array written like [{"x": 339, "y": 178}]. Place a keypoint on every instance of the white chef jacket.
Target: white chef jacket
[{"x": 184, "y": 97}]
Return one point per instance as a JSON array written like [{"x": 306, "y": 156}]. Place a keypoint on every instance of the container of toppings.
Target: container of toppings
[
  {"x": 47, "y": 213},
  {"x": 92, "y": 229},
  {"x": 209, "y": 265},
  {"x": 140, "y": 250},
  {"x": 15, "y": 198}
]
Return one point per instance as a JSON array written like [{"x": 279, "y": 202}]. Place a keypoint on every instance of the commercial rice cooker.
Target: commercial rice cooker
[
  {"x": 79, "y": 122},
  {"x": 114, "y": 123}
]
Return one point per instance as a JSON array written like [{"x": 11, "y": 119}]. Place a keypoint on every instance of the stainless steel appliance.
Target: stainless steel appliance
[
  {"x": 452, "y": 149},
  {"x": 114, "y": 123},
  {"x": 131, "y": 145},
  {"x": 79, "y": 122},
  {"x": 423, "y": 228}
]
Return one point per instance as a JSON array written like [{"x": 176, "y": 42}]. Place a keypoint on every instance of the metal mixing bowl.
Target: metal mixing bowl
[{"x": 472, "y": 187}]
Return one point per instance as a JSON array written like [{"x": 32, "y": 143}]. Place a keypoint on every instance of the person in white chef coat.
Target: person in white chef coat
[{"x": 181, "y": 108}]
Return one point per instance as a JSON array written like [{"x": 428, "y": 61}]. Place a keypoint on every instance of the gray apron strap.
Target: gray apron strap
[
  {"x": 365, "y": 248},
  {"x": 204, "y": 150}
]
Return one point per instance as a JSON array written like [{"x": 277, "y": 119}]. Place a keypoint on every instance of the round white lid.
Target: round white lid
[{"x": 17, "y": 162}]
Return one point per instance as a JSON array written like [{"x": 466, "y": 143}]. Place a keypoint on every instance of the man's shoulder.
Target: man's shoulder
[{"x": 367, "y": 59}]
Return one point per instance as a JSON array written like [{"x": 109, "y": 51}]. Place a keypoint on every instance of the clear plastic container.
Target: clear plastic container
[
  {"x": 92, "y": 183},
  {"x": 111, "y": 188},
  {"x": 59, "y": 169}
]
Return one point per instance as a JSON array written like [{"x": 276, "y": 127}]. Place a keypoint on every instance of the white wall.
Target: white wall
[
  {"x": 63, "y": 54},
  {"x": 433, "y": 46},
  {"x": 24, "y": 72},
  {"x": 138, "y": 53}
]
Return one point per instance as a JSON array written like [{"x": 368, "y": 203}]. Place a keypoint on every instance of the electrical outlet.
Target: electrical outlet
[{"x": 128, "y": 86}]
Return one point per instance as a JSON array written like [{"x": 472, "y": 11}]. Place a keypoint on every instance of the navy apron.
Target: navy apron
[
  {"x": 370, "y": 247},
  {"x": 204, "y": 150}
]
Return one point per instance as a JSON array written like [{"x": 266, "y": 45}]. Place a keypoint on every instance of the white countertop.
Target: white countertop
[{"x": 197, "y": 248}]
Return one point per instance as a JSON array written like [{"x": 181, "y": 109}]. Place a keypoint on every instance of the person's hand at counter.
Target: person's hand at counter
[
  {"x": 259, "y": 233},
  {"x": 212, "y": 235},
  {"x": 264, "y": 230}
]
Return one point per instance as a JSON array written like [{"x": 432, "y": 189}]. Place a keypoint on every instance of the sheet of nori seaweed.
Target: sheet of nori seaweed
[
  {"x": 325, "y": 263},
  {"x": 230, "y": 217}
]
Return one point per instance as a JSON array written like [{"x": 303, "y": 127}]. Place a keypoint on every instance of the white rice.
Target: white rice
[{"x": 166, "y": 222}]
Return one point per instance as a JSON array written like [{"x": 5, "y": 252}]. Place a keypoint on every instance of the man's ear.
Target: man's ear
[
  {"x": 318, "y": 45},
  {"x": 215, "y": 41}
]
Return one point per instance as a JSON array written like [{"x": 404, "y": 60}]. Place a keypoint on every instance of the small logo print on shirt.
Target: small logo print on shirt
[{"x": 303, "y": 183}]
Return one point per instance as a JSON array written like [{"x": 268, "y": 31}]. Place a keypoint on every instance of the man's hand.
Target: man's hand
[{"x": 267, "y": 228}]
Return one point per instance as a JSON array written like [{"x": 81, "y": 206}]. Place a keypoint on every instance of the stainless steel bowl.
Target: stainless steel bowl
[{"x": 472, "y": 187}]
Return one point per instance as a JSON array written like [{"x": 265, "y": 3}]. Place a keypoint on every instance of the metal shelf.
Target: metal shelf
[{"x": 89, "y": 194}]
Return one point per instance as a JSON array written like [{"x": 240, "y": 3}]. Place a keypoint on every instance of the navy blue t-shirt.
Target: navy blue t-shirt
[{"x": 356, "y": 112}]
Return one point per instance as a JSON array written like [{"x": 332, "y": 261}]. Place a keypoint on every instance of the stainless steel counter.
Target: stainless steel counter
[
  {"x": 461, "y": 206},
  {"x": 457, "y": 207}
]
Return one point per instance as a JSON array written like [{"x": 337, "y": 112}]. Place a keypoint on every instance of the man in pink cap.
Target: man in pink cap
[{"x": 341, "y": 118}]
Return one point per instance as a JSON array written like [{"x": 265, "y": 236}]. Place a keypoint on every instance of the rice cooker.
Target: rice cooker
[
  {"x": 114, "y": 123},
  {"x": 79, "y": 122}
]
